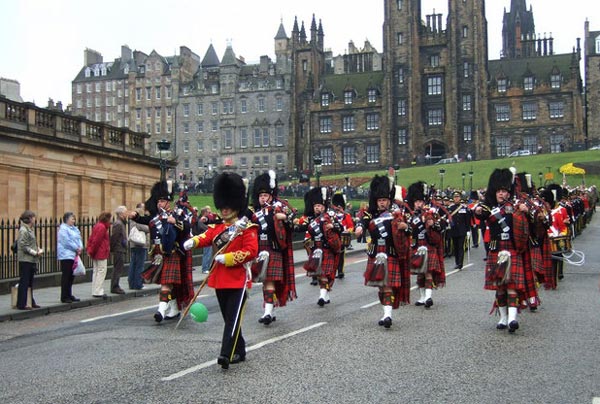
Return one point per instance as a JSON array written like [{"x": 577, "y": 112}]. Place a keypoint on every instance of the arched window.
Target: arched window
[{"x": 598, "y": 45}]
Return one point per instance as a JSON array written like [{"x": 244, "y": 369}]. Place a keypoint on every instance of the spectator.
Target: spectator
[
  {"x": 118, "y": 247},
  {"x": 27, "y": 254},
  {"x": 98, "y": 248},
  {"x": 138, "y": 252},
  {"x": 69, "y": 246}
]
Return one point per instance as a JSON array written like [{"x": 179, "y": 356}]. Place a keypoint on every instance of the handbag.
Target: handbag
[
  {"x": 137, "y": 237},
  {"x": 78, "y": 267}
]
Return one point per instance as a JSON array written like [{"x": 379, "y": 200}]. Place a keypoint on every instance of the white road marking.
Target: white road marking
[
  {"x": 88, "y": 320},
  {"x": 252, "y": 348},
  {"x": 596, "y": 400}
]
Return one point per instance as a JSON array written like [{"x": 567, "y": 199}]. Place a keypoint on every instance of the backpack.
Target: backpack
[{"x": 15, "y": 246}]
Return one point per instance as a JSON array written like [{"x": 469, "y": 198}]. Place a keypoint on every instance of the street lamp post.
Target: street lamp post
[
  {"x": 541, "y": 175},
  {"x": 163, "y": 145},
  {"x": 471, "y": 179},
  {"x": 442, "y": 173},
  {"x": 317, "y": 160},
  {"x": 463, "y": 180},
  {"x": 396, "y": 168}
]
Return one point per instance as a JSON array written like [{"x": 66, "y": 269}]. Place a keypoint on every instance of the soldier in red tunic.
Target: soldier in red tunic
[
  {"x": 236, "y": 242},
  {"x": 275, "y": 261},
  {"x": 509, "y": 236},
  {"x": 322, "y": 240},
  {"x": 388, "y": 250}
]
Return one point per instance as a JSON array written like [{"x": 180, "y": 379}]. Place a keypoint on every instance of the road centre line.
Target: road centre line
[
  {"x": 88, "y": 320},
  {"x": 252, "y": 348}
]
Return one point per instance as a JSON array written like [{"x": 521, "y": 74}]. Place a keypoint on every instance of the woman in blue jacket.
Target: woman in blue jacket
[{"x": 69, "y": 247}]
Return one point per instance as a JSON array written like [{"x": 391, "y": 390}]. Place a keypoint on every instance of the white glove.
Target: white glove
[
  {"x": 220, "y": 258},
  {"x": 188, "y": 244},
  {"x": 241, "y": 223}
]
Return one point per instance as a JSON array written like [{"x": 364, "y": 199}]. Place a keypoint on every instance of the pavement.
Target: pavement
[{"x": 49, "y": 297}]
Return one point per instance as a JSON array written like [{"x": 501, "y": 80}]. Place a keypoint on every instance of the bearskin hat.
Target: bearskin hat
[
  {"x": 501, "y": 178},
  {"x": 556, "y": 191},
  {"x": 160, "y": 190},
  {"x": 522, "y": 184},
  {"x": 230, "y": 192},
  {"x": 548, "y": 197},
  {"x": 313, "y": 197},
  {"x": 474, "y": 196},
  {"x": 381, "y": 187},
  {"x": 416, "y": 192},
  {"x": 338, "y": 199},
  {"x": 264, "y": 183}
]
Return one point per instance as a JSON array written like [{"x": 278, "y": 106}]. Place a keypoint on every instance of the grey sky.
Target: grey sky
[{"x": 43, "y": 40}]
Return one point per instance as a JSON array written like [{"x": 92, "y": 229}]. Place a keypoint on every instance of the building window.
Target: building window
[
  {"x": 228, "y": 139},
  {"x": 186, "y": 110},
  {"x": 279, "y": 135},
  {"x": 372, "y": 95},
  {"x": 169, "y": 112},
  {"x": 530, "y": 142},
  {"x": 186, "y": 164},
  {"x": 502, "y": 113},
  {"x": 168, "y": 127},
  {"x": 243, "y": 106},
  {"x": 261, "y": 105},
  {"x": 556, "y": 109},
  {"x": 598, "y": 45},
  {"x": 434, "y": 85},
  {"x": 279, "y": 160},
  {"x": 305, "y": 65},
  {"x": 466, "y": 102},
  {"x": 97, "y": 87},
  {"x": 327, "y": 156},
  {"x": 348, "y": 155},
  {"x": 148, "y": 93},
  {"x": 244, "y": 161},
  {"x": 279, "y": 104},
  {"x": 228, "y": 107},
  {"x": 555, "y": 81},
  {"x": 372, "y": 153},
  {"x": 434, "y": 117},
  {"x": 348, "y": 123},
  {"x": 186, "y": 146},
  {"x": 399, "y": 4},
  {"x": 325, "y": 100},
  {"x": 265, "y": 137},
  {"x": 200, "y": 127},
  {"x": 138, "y": 113},
  {"x": 528, "y": 83},
  {"x": 400, "y": 75},
  {"x": 399, "y": 38},
  {"x": 157, "y": 91},
  {"x": 466, "y": 69},
  {"x": 434, "y": 60},
  {"x": 325, "y": 124},
  {"x": 348, "y": 97},
  {"x": 157, "y": 127},
  {"x": 265, "y": 160},
  {"x": 502, "y": 146},
  {"x": 213, "y": 146},
  {"x": 402, "y": 137},
  {"x": 169, "y": 92},
  {"x": 79, "y": 88},
  {"x": 215, "y": 107},
  {"x": 200, "y": 162},
  {"x": 186, "y": 127},
  {"x": 200, "y": 109},
  {"x": 243, "y": 138},
  {"x": 157, "y": 112},
  {"x": 373, "y": 121},
  {"x": 502, "y": 85},
  {"x": 465, "y": 31},
  {"x": 402, "y": 107},
  {"x": 467, "y": 133},
  {"x": 214, "y": 126},
  {"x": 88, "y": 88},
  {"x": 257, "y": 137},
  {"x": 529, "y": 111},
  {"x": 556, "y": 143},
  {"x": 200, "y": 145}
]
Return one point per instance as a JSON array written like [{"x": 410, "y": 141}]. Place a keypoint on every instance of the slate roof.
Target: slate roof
[
  {"x": 359, "y": 82},
  {"x": 281, "y": 32},
  {"x": 541, "y": 67},
  {"x": 210, "y": 58}
]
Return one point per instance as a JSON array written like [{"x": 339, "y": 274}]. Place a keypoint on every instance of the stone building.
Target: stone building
[
  {"x": 535, "y": 96},
  {"x": 591, "y": 48},
  {"x": 234, "y": 116},
  {"x": 136, "y": 91}
]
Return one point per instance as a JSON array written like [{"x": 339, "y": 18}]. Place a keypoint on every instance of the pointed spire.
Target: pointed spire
[
  {"x": 281, "y": 32},
  {"x": 302, "y": 33},
  {"x": 210, "y": 57},
  {"x": 295, "y": 28},
  {"x": 229, "y": 58},
  {"x": 313, "y": 24}
]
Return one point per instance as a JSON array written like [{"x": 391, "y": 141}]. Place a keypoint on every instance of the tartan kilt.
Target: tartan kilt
[
  {"x": 517, "y": 269},
  {"x": 329, "y": 265},
  {"x": 171, "y": 270},
  {"x": 398, "y": 277},
  {"x": 541, "y": 260},
  {"x": 435, "y": 262},
  {"x": 530, "y": 279},
  {"x": 184, "y": 292},
  {"x": 275, "y": 269}
]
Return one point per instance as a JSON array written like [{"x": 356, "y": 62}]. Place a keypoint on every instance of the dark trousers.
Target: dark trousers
[
  {"x": 229, "y": 302},
  {"x": 66, "y": 280},
  {"x": 118, "y": 259},
  {"x": 459, "y": 250},
  {"x": 26, "y": 272},
  {"x": 475, "y": 235}
]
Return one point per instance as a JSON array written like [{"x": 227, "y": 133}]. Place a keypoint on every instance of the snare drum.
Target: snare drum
[
  {"x": 346, "y": 238},
  {"x": 560, "y": 244}
]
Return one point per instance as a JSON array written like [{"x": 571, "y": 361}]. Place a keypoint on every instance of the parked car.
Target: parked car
[
  {"x": 447, "y": 161},
  {"x": 597, "y": 147},
  {"x": 518, "y": 153}
]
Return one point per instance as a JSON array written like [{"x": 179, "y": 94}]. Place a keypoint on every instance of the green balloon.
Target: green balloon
[{"x": 199, "y": 312}]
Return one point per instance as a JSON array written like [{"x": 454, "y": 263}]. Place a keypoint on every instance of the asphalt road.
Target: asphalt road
[{"x": 451, "y": 353}]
